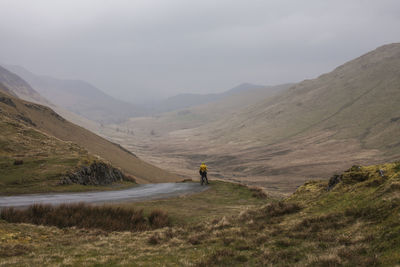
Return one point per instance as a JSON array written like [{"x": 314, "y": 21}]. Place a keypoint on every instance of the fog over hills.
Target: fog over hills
[
  {"x": 80, "y": 97},
  {"x": 20, "y": 87},
  {"x": 83, "y": 99},
  {"x": 45, "y": 120}
]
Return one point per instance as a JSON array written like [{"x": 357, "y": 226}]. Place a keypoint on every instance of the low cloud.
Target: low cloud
[{"x": 155, "y": 48}]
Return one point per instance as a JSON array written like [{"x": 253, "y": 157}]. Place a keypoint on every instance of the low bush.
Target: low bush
[
  {"x": 158, "y": 219},
  {"x": 258, "y": 193},
  {"x": 86, "y": 216}
]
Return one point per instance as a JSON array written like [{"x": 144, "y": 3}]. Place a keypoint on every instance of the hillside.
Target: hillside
[
  {"x": 24, "y": 90},
  {"x": 44, "y": 119},
  {"x": 32, "y": 161},
  {"x": 80, "y": 97},
  {"x": 351, "y": 220},
  {"x": 357, "y": 100}
]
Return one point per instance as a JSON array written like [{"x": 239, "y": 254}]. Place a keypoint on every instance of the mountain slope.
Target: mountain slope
[
  {"x": 20, "y": 87},
  {"x": 32, "y": 161},
  {"x": 79, "y": 97},
  {"x": 357, "y": 100},
  {"x": 25, "y": 91},
  {"x": 46, "y": 120}
]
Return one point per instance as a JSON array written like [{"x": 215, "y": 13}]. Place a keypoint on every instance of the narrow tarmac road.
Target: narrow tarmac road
[{"x": 138, "y": 193}]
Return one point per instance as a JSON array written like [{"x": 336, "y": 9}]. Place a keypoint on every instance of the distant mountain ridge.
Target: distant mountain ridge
[
  {"x": 80, "y": 97},
  {"x": 182, "y": 101},
  {"x": 84, "y": 99}
]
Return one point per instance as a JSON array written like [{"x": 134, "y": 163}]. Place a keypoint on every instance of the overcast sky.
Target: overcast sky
[{"x": 137, "y": 49}]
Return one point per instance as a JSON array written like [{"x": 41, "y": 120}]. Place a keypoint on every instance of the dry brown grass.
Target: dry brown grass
[
  {"x": 220, "y": 257},
  {"x": 258, "y": 192},
  {"x": 86, "y": 216},
  {"x": 13, "y": 250}
]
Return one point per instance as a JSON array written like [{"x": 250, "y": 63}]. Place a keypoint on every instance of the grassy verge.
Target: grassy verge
[{"x": 221, "y": 199}]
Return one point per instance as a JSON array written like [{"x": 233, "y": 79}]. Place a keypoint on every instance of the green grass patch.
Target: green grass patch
[{"x": 221, "y": 199}]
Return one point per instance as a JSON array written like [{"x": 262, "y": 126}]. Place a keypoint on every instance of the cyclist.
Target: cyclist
[{"x": 203, "y": 173}]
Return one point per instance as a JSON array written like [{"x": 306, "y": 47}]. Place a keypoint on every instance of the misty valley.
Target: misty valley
[{"x": 105, "y": 161}]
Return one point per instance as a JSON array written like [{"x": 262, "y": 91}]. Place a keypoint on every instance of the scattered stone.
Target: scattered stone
[
  {"x": 395, "y": 119},
  {"x": 7, "y": 101},
  {"x": 18, "y": 162},
  {"x": 34, "y": 106},
  {"x": 25, "y": 119}
]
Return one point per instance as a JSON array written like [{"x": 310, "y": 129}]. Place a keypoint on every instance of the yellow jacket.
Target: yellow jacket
[{"x": 203, "y": 167}]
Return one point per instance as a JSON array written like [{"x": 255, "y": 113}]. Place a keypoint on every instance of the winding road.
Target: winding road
[{"x": 138, "y": 193}]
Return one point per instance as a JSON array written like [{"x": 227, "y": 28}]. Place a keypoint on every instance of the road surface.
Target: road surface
[{"x": 138, "y": 193}]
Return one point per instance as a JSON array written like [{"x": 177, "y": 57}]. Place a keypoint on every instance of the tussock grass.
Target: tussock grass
[
  {"x": 280, "y": 208},
  {"x": 223, "y": 257},
  {"x": 13, "y": 250},
  {"x": 86, "y": 216},
  {"x": 258, "y": 192}
]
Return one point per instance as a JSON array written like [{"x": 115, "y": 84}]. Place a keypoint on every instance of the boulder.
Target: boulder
[{"x": 98, "y": 173}]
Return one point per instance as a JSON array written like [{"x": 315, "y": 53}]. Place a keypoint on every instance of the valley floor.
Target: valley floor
[{"x": 279, "y": 168}]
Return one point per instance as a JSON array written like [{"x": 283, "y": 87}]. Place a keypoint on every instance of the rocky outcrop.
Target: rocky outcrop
[
  {"x": 98, "y": 173},
  {"x": 7, "y": 101},
  {"x": 334, "y": 180}
]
